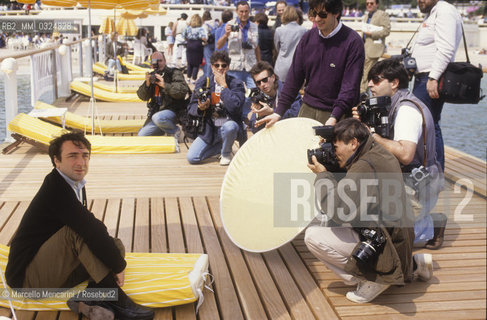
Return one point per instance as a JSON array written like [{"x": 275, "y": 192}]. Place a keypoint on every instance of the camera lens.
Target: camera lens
[{"x": 365, "y": 253}]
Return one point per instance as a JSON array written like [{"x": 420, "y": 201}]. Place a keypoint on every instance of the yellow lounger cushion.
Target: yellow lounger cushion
[
  {"x": 43, "y": 132},
  {"x": 100, "y": 68},
  {"x": 107, "y": 126},
  {"x": 152, "y": 279},
  {"x": 110, "y": 87},
  {"x": 99, "y": 94}
]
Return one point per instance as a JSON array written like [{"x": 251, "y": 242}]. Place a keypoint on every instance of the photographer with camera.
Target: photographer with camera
[
  {"x": 264, "y": 98},
  {"x": 166, "y": 90},
  {"x": 242, "y": 39},
  {"x": 411, "y": 138},
  {"x": 217, "y": 100},
  {"x": 371, "y": 244}
]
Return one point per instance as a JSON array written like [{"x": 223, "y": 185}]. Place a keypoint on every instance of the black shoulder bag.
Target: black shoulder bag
[{"x": 460, "y": 83}]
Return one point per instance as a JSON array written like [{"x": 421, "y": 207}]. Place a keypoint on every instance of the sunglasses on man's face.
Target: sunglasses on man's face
[
  {"x": 321, "y": 14},
  {"x": 377, "y": 79},
  {"x": 223, "y": 65},
  {"x": 264, "y": 80}
]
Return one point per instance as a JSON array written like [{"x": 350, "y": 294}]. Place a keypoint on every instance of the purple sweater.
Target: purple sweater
[{"x": 332, "y": 69}]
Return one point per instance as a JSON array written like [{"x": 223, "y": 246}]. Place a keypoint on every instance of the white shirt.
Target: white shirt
[
  {"x": 438, "y": 39},
  {"x": 408, "y": 124},
  {"x": 77, "y": 186},
  {"x": 334, "y": 32}
]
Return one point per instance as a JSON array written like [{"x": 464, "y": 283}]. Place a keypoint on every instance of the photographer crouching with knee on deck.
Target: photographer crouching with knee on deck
[
  {"x": 408, "y": 132},
  {"x": 369, "y": 237},
  {"x": 166, "y": 90},
  {"x": 216, "y": 108}
]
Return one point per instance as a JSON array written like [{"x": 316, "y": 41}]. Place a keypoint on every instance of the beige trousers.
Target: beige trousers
[
  {"x": 307, "y": 111},
  {"x": 64, "y": 261},
  {"x": 333, "y": 246}
]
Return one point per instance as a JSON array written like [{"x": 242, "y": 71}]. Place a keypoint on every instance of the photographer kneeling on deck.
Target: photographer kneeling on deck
[
  {"x": 216, "y": 106},
  {"x": 369, "y": 239},
  {"x": 166, "y": 90},
  {"x": 60, "y": 243},
  {"x": 409, "y": 134}
]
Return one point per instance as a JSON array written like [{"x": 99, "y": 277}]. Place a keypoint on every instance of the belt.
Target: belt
[{"x": 421, "y": 74}]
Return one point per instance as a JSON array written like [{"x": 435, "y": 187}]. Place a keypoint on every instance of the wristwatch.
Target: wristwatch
[{"x": 429, "y": 78}]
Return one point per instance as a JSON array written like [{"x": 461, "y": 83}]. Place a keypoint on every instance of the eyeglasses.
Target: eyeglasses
[
  {"x": 223, "y": 65},
  {"x": 377, "y": 79},
  {"x": 369, "y": 3},
  {"x": 264, "y": 80},
  {"x": 321, "y": 14}
]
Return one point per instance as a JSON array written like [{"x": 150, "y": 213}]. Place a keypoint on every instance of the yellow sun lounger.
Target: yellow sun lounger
[
  {"x": 100, "y": 68},
  {"x": 109, "y": 88},
  {"x": 103, "y": 95},
  {"x": 84, "y": 123},
  {"x": 155, "y": 280},
  {"x": 36, "y": 131}
]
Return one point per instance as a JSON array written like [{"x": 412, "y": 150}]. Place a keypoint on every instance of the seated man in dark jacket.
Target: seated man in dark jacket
[
  {"x": 60, "y": 243},
  {"x": 166, "y": 90},
  {"x": 370, "y": 243},
  {"x": 218, "y": 100}
]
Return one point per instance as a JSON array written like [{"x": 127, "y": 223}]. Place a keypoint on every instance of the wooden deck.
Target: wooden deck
[{"x": 159, "y": 203}]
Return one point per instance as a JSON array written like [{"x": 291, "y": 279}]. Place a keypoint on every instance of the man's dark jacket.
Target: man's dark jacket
[
  {"x": 54, "y": 206},
  {"x": 172, "y": 94}
]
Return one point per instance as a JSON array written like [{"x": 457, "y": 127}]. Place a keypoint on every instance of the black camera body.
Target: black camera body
[
  {"x": 374, "y": 112},
  {"x": 373, "y": 241},
  {"x": 153, "y": 78},
  {"x": 408, "y": 61},
  {"x": 257, "y": 96},
  {"x": 219, "y": 111},
  {"x": 234, "y": 28},
  {"x": 325, "y": 154},
  {"x": 203, "y": 95}
]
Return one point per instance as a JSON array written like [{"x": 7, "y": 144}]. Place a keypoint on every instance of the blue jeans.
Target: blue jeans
[
  {"x": 249, "y": 84},
  {"x": 207, "y": 51},
  {"x": 161, "y": 122},
  {"x": 435, "y": 106},
  {"x": 112, "y": 62},
  {"x": 222, "y": 144}
]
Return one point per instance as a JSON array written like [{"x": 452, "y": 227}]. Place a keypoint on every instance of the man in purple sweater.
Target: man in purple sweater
[{"x": 329, "y": 60}]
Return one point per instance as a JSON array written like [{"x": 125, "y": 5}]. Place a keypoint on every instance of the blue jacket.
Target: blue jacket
[
  {"x": 290, "y": 113},
  {"x": 233, "y": 99}
]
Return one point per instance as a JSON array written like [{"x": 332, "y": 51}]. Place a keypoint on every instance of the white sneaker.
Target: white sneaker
[
  {"x": 225, "y": 160},
  {"x": 366, "y": 291},
  {"x": 424, "y": 266}
]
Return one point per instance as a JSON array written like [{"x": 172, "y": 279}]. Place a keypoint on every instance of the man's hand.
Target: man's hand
[
  {"x": 261, "y": 109},
  {"x": 268, "y": 120},
  {"x": 204, "y": 105},
  {"x": 331, "y": 121},
  {"x": 220, "y": 78},
  {"x": 160, "y": 81},
  {"x": 228, "y": 29},
  {"x": 355, "y": 113},
  {"x": 316, "y": 167},
  {"x": 120, "y": 278},
  {"x": 147, "y": 79},
  {"x": 432, "y": 88}
]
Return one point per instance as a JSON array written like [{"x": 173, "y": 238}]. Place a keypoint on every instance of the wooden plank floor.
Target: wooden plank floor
[{"x": 159, "y": 203}]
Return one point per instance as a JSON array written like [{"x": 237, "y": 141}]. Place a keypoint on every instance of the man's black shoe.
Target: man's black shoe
[{"x": 129, "y": 310}]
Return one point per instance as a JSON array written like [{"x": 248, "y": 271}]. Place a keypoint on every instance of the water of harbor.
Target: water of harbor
[{"x": 463, "y": 126}]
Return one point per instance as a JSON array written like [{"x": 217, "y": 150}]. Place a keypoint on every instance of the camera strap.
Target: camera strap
[{"x": 424, "y": 128}]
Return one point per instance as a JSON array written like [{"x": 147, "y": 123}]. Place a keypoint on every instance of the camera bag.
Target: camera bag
[{"x": 460, "y": 83}]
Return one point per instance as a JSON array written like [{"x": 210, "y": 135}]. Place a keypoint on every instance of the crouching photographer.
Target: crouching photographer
[
  {"x": 264, "y": 97},
  {"x": 166, "y": 90},
  {"x": 218, "y": 101},
  {"x": 404, "y": 126},
  {"x": 366, "y": 243}
]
